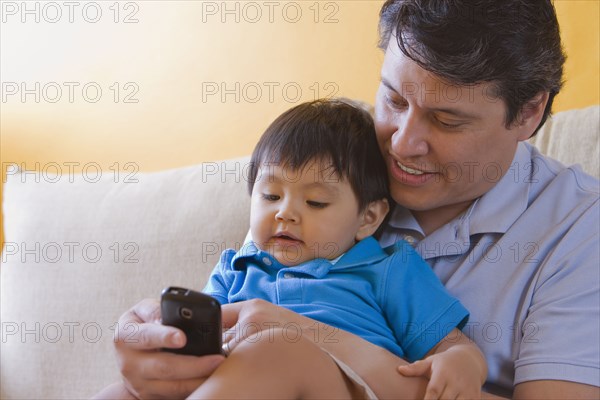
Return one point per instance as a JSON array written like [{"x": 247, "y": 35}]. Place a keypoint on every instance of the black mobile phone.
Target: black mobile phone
[{"x": 198, "y": 315}]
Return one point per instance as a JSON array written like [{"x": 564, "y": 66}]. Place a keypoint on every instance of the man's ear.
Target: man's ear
[
  {"x": 531, "y": 114},
  {"x": 371, "y": 218}
]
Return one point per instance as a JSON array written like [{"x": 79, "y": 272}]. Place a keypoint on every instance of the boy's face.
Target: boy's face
[{"x": 300, "y": 215}]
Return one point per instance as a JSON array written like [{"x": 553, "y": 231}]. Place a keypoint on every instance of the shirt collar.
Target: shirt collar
[
  {"x": 402, "y": 218},
  {"x": 502, "y": 205},
  {"x": 367, "y": 251},
  {"x": 364, "y": 252}
]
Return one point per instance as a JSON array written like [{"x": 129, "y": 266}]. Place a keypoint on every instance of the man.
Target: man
[{"x": 511, "y": 233}]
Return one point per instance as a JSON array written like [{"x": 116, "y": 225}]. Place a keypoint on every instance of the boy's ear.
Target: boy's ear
[
  {"x": 371, "y": 218},
  {"x": 531, "y": 115}
]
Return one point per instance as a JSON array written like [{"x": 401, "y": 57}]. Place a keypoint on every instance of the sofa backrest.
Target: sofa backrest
[{"x": 80, "y": 251}]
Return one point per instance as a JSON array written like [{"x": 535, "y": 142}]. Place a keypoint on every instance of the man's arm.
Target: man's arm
[
  {"x": 541, "y": 389},
  {"x": 545, "y": 389}
]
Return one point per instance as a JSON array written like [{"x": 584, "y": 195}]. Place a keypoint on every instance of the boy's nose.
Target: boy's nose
[{"x": 286, "y": 213}]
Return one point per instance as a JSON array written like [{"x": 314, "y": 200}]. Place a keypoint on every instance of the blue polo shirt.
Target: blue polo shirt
[
  {"x": 388, "y": 297},
  {"x": 525, "y": 260}
]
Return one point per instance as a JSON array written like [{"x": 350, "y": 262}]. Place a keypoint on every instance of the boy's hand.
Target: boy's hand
[
  {"x": 148, "y": 372},
  {"x": 456, "y": 369}
]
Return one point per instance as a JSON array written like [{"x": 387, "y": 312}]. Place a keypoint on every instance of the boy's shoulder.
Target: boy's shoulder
[
  {"x": 399, "y": 247},
  {"x": 230, "y": 257},
  {"x": 368, "y": 253}
]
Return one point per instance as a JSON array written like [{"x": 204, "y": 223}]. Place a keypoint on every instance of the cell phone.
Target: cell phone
[{"x": 198, "y": 315}]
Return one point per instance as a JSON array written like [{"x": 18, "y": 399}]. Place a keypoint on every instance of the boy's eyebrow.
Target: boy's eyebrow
[
  {"x": 324, "y": 185},
  {"x": 320, "y": 185}
]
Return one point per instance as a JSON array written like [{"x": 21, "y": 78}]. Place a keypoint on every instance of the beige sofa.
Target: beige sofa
[{"x": 81, "y": 249}]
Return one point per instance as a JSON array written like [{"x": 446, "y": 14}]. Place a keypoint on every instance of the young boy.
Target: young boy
[{"x": 319, "y": 192}]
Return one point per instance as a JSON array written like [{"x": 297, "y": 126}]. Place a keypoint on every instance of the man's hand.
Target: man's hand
[{"x": 148, "y": 372}]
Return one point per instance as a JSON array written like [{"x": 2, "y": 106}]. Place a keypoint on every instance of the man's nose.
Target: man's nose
[{"x": 411, "y": 135}]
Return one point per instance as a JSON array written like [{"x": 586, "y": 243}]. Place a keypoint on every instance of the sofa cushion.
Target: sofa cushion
[
  {"x": 80, "y": 250},
  {"x": 573, "y": 137}
]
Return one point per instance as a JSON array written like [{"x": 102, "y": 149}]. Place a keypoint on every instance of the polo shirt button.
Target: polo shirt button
[
  {"x": 410, "y": 239},
  {"x": 288, "y": 275},
  {"x": 267, "y": 261}
]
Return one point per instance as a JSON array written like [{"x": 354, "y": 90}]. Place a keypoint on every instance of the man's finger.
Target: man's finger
[
  {"x": 149, "y": 336},
  {"x": 147, "y": 310},
  {"x": 230, "y": 314}
]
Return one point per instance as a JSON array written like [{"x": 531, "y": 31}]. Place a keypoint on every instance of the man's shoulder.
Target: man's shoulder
[
  {"x": 549, "y": 173},
  {"x": 559, "y": 191}
]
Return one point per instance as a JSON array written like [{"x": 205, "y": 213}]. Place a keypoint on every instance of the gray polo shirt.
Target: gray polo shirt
[{"x": 525, "y": 261}]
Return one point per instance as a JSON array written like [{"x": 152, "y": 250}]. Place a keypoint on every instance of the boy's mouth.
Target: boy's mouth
[{"x": 286, "y": 237}]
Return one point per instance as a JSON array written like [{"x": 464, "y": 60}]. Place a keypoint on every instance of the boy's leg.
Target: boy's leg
[
  {"x": 116, "y": 391},
  {"x": 274, "y": 367}
]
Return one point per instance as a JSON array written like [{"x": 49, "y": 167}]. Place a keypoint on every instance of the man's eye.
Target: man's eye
[
  {"x": 316, "y": 204},
  {"x": 270, "y": 197},
  {"x": 396, "y": 103},
  {"x": 448, "y": 125}
]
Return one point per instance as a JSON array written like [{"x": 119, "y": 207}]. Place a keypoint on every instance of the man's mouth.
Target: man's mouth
[{"x": 409, "y": 170}]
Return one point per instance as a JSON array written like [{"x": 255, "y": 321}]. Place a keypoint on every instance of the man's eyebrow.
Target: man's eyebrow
[
  {"x": 456, "y": 113},
  {"x": 387, "y": 84}
]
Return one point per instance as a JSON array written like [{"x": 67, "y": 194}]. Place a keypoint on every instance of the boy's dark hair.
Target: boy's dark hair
[
  {"x": 514, "y": 44},
  {"x": 333, "y": 131}
]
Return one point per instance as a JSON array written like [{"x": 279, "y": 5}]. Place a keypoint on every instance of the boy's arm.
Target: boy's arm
[
  {"x": 219, "y": 282},
  {"x": 455, "y": 368}
]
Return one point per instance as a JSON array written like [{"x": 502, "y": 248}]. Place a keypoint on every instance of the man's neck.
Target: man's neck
[{"x": 432, "y": 220}]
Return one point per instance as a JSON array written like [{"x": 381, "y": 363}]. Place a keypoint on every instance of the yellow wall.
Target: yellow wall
[
  {"x": 175, "y": 50},
  {"x": 170, "y": 55},
  {"x": 579, "y": 22}
]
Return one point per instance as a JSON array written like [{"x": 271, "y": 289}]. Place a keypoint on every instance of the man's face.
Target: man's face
[
  {"x": 445, "y": 145},
  {"x": 299, "y": 215}
]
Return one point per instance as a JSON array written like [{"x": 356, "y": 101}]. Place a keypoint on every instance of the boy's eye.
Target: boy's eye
[
  {"x": 316, "y": 204},
  {"x": 270, "y": 197}
]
